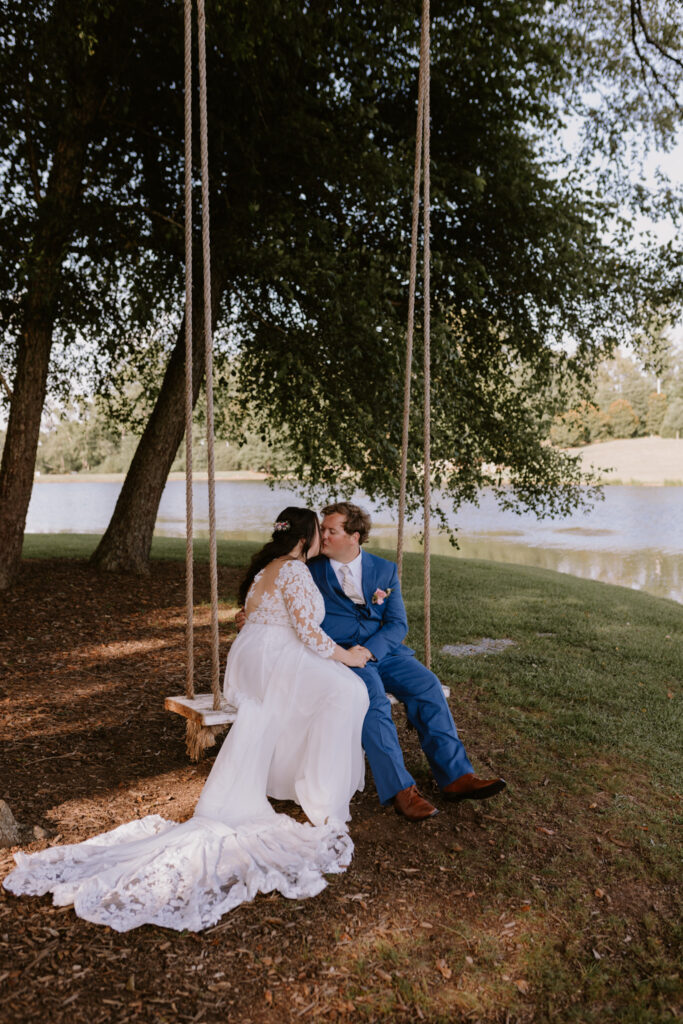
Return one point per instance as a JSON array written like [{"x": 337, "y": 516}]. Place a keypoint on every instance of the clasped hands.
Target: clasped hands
[{"x": 360, "y": 655}]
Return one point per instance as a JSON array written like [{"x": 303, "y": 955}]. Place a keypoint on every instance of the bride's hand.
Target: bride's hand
[
  {"x": 240, "y": 619},
  {"x": 355, "y": 657}
]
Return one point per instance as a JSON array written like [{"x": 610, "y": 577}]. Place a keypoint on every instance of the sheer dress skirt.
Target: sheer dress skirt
[{"x": 297, "y": 735}]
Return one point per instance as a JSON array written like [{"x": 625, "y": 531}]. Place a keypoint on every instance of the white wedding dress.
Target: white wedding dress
[{"x": 297, "y": 737}]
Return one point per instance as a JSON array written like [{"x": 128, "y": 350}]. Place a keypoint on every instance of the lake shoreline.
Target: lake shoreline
[
  {"x": 118, "y": 478},
  {"x": 624, "y": 462}
]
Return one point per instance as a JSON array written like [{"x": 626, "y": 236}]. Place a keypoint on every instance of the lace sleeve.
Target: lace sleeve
[{"x": 300, "y": 595}]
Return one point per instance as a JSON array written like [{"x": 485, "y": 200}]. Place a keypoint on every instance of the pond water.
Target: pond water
[{"x": 633, "y": 538}]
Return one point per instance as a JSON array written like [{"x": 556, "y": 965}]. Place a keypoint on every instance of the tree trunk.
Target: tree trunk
[
  {"x": 53, "y": 232},
  {"x": 125, "y": 547}
]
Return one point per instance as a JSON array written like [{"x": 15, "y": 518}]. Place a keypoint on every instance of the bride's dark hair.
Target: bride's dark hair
[{"x": 291, "y": 526}]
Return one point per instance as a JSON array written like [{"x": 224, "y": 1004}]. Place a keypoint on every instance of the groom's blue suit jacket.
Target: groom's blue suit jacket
[{"x": 379, "y": 627}]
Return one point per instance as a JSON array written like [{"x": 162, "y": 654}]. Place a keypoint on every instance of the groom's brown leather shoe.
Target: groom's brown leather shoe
[
  {"x": 469, "y": 787},
  {"x": 411, "y": 805}
]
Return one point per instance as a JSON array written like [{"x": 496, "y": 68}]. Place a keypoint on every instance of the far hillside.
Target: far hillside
[{"x": 637, "y": 460}]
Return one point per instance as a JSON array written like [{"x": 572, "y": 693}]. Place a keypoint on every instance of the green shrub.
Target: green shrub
[
  {"x": 624, "y": 420},
  {"x": 672, "y": 424},
  {"x": 656, "y": 411}
]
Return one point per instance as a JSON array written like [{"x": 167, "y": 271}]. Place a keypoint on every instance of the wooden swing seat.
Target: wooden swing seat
[{"x": 200, "y": 708}]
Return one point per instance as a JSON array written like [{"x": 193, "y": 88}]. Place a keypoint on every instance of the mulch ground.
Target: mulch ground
[{"x": 85, "y": 663}]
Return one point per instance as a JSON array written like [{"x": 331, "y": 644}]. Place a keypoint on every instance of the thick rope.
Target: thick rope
[
  {"x": 411, "y": 321},
  {"x": 427, "y": 345},
  {"x": 189, "y": 512},
  {"x": 208, "y": 343},
  {"x": 422, "y": 158}
]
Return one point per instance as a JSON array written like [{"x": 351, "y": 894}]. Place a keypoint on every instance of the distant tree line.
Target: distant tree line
[
  {"x": 627, "y": 401},
  {"x": 100, "y": 436},
  {"x": 85, "y": 439}
]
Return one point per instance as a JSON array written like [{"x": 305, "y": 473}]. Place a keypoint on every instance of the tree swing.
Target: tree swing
[{"x": 207, "y": 714}]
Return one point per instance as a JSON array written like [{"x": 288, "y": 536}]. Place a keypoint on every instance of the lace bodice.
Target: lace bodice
[{"x": 293, "y": 600}]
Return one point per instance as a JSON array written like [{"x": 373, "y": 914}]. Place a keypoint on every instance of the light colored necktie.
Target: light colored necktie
[{"x": 349, "y": 587}]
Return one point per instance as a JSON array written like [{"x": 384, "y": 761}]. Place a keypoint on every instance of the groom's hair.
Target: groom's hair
[{"x": 356, "y": 519}]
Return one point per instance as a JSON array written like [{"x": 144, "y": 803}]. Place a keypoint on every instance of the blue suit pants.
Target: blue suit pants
[{"x": 420, "y": 691}]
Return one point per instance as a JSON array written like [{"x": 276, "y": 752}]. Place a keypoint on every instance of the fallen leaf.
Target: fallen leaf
[
  {"x": 596, "y": 955},
  {"x": 426, "y": 924},
  {"x": 443, "y": 969},
  {"x": 545, "y": 831},
  {"x": 469, "y": 960},
  {"x": 600, "y": 893},
  {"x": 522, "y": 986},
  {"x": 268, "y": 996}
]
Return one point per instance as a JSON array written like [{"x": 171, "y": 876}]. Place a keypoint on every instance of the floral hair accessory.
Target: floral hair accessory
[
  {"x": 380, "y": 596},
  {"x": 281, "y": 526}
]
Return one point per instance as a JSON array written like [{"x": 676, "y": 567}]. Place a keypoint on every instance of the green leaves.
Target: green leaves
[{"x": 312, "y": 122}]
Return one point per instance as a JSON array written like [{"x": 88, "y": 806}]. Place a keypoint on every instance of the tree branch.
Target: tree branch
[
  {"x": 637, "y": 5},
  {"x": 638, "y": 22},
  {"x": 5, "y": 384},
  {"x": 32, "y": 161},
  {"x": 163, "y": 216}
]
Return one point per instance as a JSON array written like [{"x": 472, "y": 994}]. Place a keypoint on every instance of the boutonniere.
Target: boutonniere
[{"x": 380, "y": 596}]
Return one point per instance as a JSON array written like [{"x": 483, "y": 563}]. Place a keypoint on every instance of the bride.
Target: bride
[{"x": 297, "y": 737}]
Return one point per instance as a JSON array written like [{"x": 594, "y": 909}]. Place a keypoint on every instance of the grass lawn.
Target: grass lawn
[
  {"x": 82, "y": 545},
  {"x": 559, "y": 900}
]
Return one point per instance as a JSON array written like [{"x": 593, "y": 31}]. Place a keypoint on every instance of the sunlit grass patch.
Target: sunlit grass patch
[
  {"x": 570, "y": 959},
  {"x": 82, "y": 545}
]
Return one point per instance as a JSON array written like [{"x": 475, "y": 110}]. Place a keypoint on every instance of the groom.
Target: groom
[{"x": 364, "y": 609}]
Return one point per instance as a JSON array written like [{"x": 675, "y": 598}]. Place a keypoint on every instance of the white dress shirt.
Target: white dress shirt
[{"x": 356, "y": 570}]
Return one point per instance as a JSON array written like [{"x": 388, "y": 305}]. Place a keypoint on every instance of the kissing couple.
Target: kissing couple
[{"x": 320, "y": 648}]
